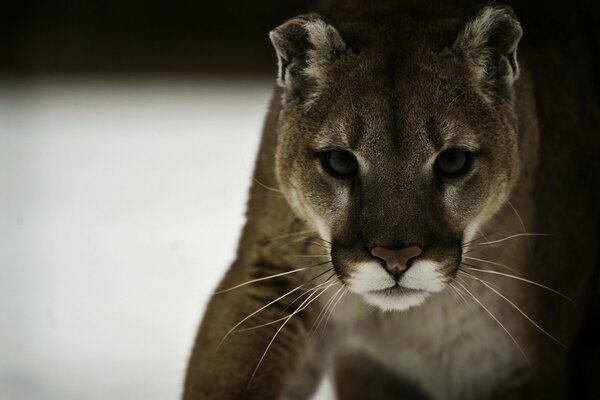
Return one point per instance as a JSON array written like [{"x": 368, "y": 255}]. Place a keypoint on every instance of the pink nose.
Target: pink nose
[{"x": 396, "y": 261}]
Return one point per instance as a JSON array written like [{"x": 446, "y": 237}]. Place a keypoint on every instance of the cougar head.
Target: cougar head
[{"x": 396, "y": 142}]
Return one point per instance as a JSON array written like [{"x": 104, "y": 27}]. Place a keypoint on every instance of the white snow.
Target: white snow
[{"x": 121, "y": 202}]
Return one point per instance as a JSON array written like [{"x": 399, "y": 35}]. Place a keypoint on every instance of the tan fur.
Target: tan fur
[{"x": 396, "y": 86}]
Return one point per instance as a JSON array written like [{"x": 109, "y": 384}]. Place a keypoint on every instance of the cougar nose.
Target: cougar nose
[{"x": 396, "y": 261}]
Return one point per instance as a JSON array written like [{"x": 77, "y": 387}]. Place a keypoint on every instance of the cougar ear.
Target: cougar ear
[
  {"x": 305, "y": 46},
  {"x": 489, "y": 43}
]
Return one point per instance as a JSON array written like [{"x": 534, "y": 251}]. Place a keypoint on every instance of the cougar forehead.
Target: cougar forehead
[{"x": 394, "y": 105}]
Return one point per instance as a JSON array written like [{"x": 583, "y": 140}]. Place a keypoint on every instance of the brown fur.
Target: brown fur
[{"x": 399, "y": 78}]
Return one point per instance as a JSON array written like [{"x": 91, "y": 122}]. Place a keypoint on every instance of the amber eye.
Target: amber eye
[
  {"x": 453, "y": 163},
  {"x": 339, "y": 163}
]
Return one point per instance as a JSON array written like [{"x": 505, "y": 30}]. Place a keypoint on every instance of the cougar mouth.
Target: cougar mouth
[
  {"x": 396, "y": 298},
  {"x": 395, "y": 290},
  {"x": 378, "y": 287}
]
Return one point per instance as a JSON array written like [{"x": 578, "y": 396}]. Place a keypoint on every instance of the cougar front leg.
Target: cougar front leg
[{"x": 251, "y": 337}]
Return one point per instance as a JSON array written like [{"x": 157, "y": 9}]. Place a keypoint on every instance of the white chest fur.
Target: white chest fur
[{"x": 451, "y": 349}]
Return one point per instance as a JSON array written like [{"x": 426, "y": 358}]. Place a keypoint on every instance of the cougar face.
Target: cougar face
[{"x": 396, "y": 150}]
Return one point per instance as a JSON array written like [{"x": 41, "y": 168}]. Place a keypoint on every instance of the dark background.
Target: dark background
[
  {"x": 142, "y": 36},
  {"x": 184, "y": 37}
]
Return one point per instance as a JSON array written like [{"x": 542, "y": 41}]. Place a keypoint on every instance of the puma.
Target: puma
[{"x": 424, "y": 215}]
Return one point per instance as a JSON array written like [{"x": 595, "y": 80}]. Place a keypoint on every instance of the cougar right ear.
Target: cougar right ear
[
  {"x": 489, "y": 43},
  {"x": 305, "y": 46}
]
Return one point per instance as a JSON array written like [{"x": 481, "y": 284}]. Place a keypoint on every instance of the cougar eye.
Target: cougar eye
[
  {"x": 453, "y": 162},
  {"x": 339, "y": 163}
]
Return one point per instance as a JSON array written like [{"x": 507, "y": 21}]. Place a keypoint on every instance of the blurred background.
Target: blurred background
[
  {"x": 128, "y": 131},
  {"x": 194, "y": 38}
]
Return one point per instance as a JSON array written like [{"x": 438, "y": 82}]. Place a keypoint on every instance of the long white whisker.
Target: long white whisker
[
  {"x": 490, "y": 262},
  {"x": 453, "y": 291},
  {"x": 474, "y": 241},
  {"x": 283, "y": 325},
  {"x": 516, "y": 308},
  {"x": 331, "y": 313},
  {"x": 497, "y": 321},
  {"x": 315, "y": 236},
  {"x": 306, "y": 233},
  {"x": 265, "y": 278},
  {"x": 321, "y": 315},
  {"x": 524, "y": 280},
  {"x": 265, "y": 186},
  {"x": 462, "y": 297},
  {"x": 284, "y": 317},
  {"x": 306, "y": 240},
  {"x": 323, "y": 246},
  {"x": 306, "y": 291},
  {"x": 513, "y": 236},
  {"x": 521, "y": 222},
  {"x": 257, "y": 311}
]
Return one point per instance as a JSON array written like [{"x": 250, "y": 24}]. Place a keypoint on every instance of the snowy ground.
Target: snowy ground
[{"x": 120, "y": 206}]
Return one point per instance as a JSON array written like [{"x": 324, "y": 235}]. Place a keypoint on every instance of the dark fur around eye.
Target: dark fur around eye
[
  {"x": 453, "y": 163},
  {"x": 339, "y": 163}
]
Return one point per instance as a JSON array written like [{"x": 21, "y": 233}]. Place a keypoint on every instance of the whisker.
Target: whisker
[
  {"x": 331, "y": 313},
  {"x": 516, "y": 308},
  {"x": 453, "y": 291},
  {"x": 283, "y": 325},
  {"x": 491, "y": 262},
  {"x": 253, "y": 314},
  {"x": 497, "y": 321},
  {"x": 321, "y": 239},
  {"x": 306, "y": 241},
  {"x": 270, "y": 277},
  {"x": 483, "y": 236},
  {"x": 265, "y": 186},
  {"x": 461, "y": 298},
  {"x": 319, "y": 286},
  {"x": 267, "y": 305},
  {"x": 520, "y": 221},
  {"x": 309, "y": 289},
  {"x": 321, "y": 315},
  {"x": 324, "y": 246},
  {"x": 513, "y": 236},
  {"x": 292, "y": 242},
  {"x": 331, "y": 276},
  {"x": 470, "y": 267},
  {"x": 307, "y": 233},
  {"x": 304, "y": 293}
]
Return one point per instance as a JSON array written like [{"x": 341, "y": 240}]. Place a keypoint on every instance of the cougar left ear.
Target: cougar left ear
[
  {"x": 305, "y": 46},
  {"x": 489, "y": 43}
]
